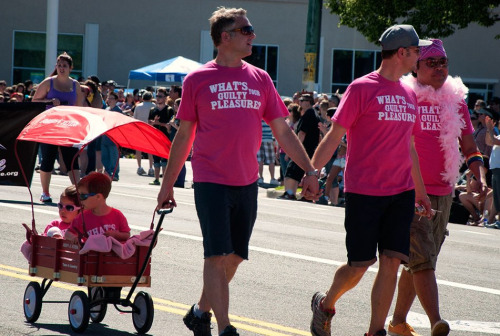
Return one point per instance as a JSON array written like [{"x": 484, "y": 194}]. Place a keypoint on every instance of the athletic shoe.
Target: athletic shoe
[
  {"x": 381, "y": 332},
  {"x": 200, "y": 326},
  {"x": 321, "y": 320},
  {"x": 155, "y": 182},
  {"x": 141, "y": 171},
  {"x": 287, "y": 196},
  {"x": 440, "y": 328},
  {"x": 402, "y": 329},
  {"x": 495, "y": 225},
  {"x": 274, "y": 182},
  {"x": 230, "y": 331},
  {"x": 260, "y": 180},
  {"x": 45, "y": 198},
  {"x": 151, "y": 172}
]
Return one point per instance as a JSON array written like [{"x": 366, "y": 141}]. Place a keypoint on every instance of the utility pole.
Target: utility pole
[
  {"x": 313, "y": 32},
  {"x": 51, "y": 36}
]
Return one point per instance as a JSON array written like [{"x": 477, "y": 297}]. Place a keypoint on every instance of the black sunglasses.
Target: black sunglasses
[
  {"x": 84, "y": 197},
  {"x": 67, "y": 207},
  {"x": 246, "y": 30}
]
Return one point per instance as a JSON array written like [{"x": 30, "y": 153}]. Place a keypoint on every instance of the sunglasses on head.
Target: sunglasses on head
[
  {"x": 246, "y": 30},
  {"x": 84, "y": 197},
  {"x": 67, "y": 207},
  {"x": 434, "y": 63}
]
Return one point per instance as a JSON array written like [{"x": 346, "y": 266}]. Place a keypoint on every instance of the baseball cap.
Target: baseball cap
[
  {"x": 489, "y": 112},
  {"x": 401, "y": 36}
]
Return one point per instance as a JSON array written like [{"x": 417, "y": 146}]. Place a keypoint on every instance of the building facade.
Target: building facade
[{"x": 110, "y": 38}]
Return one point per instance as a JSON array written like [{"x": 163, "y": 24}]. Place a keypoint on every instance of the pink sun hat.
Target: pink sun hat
[{"x": 435, "y": 50}]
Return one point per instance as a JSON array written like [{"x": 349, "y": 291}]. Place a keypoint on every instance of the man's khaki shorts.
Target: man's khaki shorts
[{"x": 428, "y": 235}]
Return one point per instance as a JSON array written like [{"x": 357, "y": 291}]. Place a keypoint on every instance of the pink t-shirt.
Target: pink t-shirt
[
  {"x": 59, "y": 224},
  {"x": 429, "y": 149},
  {"x": 113, "y": 221},
  {"x": 379, "y": 116},
  {"x": 228, "y": 105}
]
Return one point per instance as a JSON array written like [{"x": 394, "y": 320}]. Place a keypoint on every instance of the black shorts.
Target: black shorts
[
  {"x": 294, "y": 172},
  {"x": 378, "y": 222},
  {"x": 227, "y": 215},
  {"x": 49, "y": 155}
]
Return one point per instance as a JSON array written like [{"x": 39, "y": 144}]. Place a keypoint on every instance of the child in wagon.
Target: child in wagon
[
  {"x": 99, "y": 217},
  {"x": 69, "y": 207}
]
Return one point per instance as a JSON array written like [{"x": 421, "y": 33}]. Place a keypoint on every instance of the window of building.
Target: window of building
[
  {"x": 264, "y": 57},
  {"x": 478, "y": 90},
  {"x": 348, "y": 65},
  {"x": 29, "y": 55}
]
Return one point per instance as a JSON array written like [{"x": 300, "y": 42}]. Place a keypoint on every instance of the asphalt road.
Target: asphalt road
[{"x": 295, "y": 250}]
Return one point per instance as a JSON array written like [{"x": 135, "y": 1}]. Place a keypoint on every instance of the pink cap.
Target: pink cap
[{"x": 435, "y": 50}]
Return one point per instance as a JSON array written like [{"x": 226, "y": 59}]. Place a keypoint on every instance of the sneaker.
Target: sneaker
[
  {"x": 260, "y": 180},
  {"x": 287, "y": 196},
  {"x": 200, "y": 326},
  {"x": 274, "y": 182},
  {"x": 155, "y": 182},
  {"x": 45, "y": 198},
  {"x": 402, "y": 329},
  {"x": 151, "y": 172},
  {"x": 440, "y": 328},
  {"x": 230, "y": 331},
  {"x": 321, "y": 320},
  {"x": 495, "y": 225},
  {"x": 141, "y": 171},
  {"x": 381, "y": 332}
]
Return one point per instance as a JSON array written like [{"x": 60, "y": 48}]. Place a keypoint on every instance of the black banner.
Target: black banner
[{"x": 13, "y": 118}]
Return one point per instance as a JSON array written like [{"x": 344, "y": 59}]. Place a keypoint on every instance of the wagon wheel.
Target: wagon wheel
[
  {"x": 78, "y": 311},
  {"x": 32, "y": 301},
  {"x": 143, "y": 313},
  {"x": 98, "y": 312}
]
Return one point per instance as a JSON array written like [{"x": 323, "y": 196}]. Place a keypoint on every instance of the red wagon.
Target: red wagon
[{"x": 103, "y": 273}]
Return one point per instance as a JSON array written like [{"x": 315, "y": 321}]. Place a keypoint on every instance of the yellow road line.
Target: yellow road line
[{"x": 240, "y": 322}]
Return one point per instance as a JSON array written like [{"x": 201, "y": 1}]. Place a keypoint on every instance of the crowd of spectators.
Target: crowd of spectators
[
  {"x": 102, "y": 155},
  {"x": 482, "y": 211}
]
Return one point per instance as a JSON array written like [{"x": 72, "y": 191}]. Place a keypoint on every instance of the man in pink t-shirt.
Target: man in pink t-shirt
[
  {"x": 382, "y": 177},
  {"x": 445, "y": 124},
  {"x": 223, "y": 103}
]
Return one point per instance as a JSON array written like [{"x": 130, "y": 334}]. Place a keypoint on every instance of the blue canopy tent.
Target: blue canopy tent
[{"x": 172, "y": 70}]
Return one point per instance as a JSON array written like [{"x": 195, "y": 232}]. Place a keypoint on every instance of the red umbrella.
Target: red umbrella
[{"x": 75, "y": 126}]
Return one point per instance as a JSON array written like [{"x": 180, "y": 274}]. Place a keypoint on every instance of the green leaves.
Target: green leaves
[{"x": 431, "y": 18}]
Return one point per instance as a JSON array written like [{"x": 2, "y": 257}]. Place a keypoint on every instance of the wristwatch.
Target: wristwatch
[{"x": 312, "y": 173}]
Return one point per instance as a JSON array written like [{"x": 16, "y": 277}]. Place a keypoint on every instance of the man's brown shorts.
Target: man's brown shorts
[{"x": 427, "y": 235}]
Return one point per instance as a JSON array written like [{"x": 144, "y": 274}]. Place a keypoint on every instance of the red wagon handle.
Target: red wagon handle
[{"x": 162, "y": 213}]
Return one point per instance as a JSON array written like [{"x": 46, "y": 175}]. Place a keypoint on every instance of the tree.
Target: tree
[{"x": 431, "y": 18}]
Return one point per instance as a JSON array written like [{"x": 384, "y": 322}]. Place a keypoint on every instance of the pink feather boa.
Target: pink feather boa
[{"x": 449, "y": 97}]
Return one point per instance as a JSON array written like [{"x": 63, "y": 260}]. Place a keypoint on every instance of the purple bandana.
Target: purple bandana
[{"x": 435, "y": 50}]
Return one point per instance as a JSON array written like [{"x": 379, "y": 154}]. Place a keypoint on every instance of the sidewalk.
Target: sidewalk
[{"x": 128, "y": 171}]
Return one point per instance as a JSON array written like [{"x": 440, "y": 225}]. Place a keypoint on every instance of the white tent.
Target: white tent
[{"x": 171, "y": 70}]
